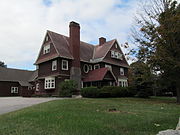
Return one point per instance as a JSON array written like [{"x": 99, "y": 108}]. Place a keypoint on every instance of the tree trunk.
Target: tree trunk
[{"x": 178, "y": 95}]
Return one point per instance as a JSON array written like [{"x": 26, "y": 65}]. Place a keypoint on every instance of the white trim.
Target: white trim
[
  {"x": 108, "y": 66},
  {"x": 14, "y": 89},
  {"x": 54, "y": 65},
  {"x": 121, "y": 71},
  {"x": 46, "y": 49},
  {"x": 37, "y": 86},
  {"x": 96, "y": 65},
  {"x": 66, "y": 61},
  {"x": 123, "y": 82},
  {"x": 49, "y": 83},
  {"x": 86, "y": 66}
]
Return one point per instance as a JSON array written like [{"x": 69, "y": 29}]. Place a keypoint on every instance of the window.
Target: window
[
  {"x": 86, "y": 68},
  {"x": 123, "y": 83},
  {"x": 54, "y": 65},
  {"x": 46, "y": 49},
  {"x": 64, "y": 65},
  {"x": 97, "y": 66},
  {"x": 47, "y": 38},
  {"x": 37, "y": 86},
  {"x": 112, "y": 54},
  {"x": 14, "y": 89},
  {"x": 90, "y": 67},
  {"x": 116, "y": 55},
  {"x": 120, "y": 56},
  {"x": 121, "y": 71},
  {"x": 49, "y": 83},
  {"x": 115, "y": 45},
  {"x": 37, "y": 66},
  {"x": 109, "y": 66}
]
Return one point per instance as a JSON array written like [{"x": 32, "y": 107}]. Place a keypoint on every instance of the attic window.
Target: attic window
[
  {"x": 115, "y": 45},
  {"x": 116, "y": 55},
  {"x": 46, "y": 49},
  {"x": 47, "y": 38}
]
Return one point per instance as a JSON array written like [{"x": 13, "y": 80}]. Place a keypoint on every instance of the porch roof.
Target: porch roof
[{"x": 98, "y": 75}]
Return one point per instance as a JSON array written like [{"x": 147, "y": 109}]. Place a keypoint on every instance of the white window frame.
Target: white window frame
[
  {"x": 123, "y": 83},
  {"x": 47, "y": 38},
  {"x": 97, "y": 66},
  {"x": 37, "y": 86},
  {"x": 120, "y": 56},
  {"x": 46, "y": 49},
  {"x": 90, "y": 67},
  {"x": 112, "y": 54},
  {"x": 115, "y": 45},
  {"x": 121, "y": 71},
  {"x": 108, "y": 66},
  {"x": 86, "y": 66},
  {"x": 62, "y": 64},
  {"x": 49, "y": 83},
  {"x": 14, "y": 89},
  {"x": 54, "y": 65}
]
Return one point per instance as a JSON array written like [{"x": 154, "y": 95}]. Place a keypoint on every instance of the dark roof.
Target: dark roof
[
  {"x": 16, "y": 75},
  {"x": 88, "y": 52},
  {"x": 97, "y": 75}
]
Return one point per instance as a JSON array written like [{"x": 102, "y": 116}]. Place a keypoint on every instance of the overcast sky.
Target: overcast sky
[{"x": 23, "y": 24}]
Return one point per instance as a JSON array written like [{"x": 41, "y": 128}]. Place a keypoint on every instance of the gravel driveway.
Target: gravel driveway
[{"x": 9, "y": 104}]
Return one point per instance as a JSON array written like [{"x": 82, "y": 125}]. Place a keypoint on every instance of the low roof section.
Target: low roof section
[
  {"x": 16, "y": 75},
  {"x": 99, "y": 75}
]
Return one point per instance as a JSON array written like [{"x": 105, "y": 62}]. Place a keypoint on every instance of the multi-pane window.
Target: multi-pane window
[
  {"x": 108, "y": 66},
  {"x": 123, "y": 83},
  {"x": 64, "y": 65},
  {"x": 46, "y": 49},
  {"x": 14, "y": 89},
  {"x": 121, "y": 71},
  {"x": 116, "y": 55},
  {"x": 49, "y": 83},
  {"x": 54, "y": 65},
  {"x": 97, "y": 66}
]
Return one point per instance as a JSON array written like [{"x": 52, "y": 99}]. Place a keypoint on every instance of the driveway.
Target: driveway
[{"x": 9, "y": 104}]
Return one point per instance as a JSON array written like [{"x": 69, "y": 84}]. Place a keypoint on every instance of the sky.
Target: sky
[{"x": 23, "y": 24}]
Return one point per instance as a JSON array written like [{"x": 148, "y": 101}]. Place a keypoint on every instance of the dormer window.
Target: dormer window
[
  {"x": 121, "y": 71},
  {"x": 97, "y": 66},
  {"x": 54, "y": 65},
  {"x": 46, "y": 49},
  {"x": 64, "y": 65}
]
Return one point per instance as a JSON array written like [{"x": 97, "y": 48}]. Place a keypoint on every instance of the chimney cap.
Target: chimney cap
[
  {"x": 72, "y": 23},
  {"x": 102, "y": 40}
]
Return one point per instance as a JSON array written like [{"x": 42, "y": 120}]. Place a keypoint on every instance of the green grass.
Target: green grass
[{"x": 91, "y": 117}]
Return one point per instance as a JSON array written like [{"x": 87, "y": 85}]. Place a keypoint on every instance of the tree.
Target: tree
[
  {"x": 2, "y": 64},
  {"x": 141, "y": 79},
  {"x": 157, "y": 37}
]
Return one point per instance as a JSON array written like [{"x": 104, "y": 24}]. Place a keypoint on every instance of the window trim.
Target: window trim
[
  {"x": 48, "y": 83},
  {"x": 86, "y": 65},
  {"x": 37, "y": 86},
  {"x": 54, "y": 64},
  {"x": 121, "y": 71},
  {"x": 66, "y": 61},
  {"x": 14, "y": 90},
  {"x": 108, "y": 66},
  {"x": 90, "y": 67},
  {"x": 46, "y": 49},
  {"x": 96, "y": 66}
]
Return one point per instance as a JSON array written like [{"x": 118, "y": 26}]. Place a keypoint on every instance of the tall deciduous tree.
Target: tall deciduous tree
[{"x": 157, "y": 35}]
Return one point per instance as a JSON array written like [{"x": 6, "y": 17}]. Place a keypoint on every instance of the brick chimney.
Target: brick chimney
[
  {"x": 102, "y": 40},
  {"x": 74, "y": 34},
  {"x": 75, "y": 72}
]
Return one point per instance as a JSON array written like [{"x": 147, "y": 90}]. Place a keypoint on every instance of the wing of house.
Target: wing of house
[{"x": 62, "y": 58}]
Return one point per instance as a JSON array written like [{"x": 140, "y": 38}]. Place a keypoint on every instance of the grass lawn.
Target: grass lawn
[{"x": 134, "y": 116}]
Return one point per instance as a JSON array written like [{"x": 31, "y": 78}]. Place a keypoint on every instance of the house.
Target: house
[
  {"x": 16, "y": 82},
  {"x": 63, "y": 58}
]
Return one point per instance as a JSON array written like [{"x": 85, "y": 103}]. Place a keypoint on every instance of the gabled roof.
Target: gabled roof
[
  {"x": 15, "y": 75},
  {"x": 97, "y": 75},
  {"x": 88, "y": 52}
]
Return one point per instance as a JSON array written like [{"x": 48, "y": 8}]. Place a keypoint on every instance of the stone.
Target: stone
[{"x": 169, "y": 132}]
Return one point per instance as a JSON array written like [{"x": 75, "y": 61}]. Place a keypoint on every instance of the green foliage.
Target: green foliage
[
  {"x": 157, "y": 36},
  {"x": 107, "y": 91},
  {"x": 67, "y": 88},
  {"x": 91, "y": 92}
]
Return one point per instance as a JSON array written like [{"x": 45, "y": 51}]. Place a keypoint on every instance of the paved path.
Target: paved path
[{"x": 9, "y": 104}]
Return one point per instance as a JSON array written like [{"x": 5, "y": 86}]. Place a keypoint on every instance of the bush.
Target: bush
[
  {"x": 67, "y": 88},
  {"x": 91, "y": 92}
]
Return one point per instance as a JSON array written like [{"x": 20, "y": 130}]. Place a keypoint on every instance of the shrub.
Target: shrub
[
  {"x": 67, "y": 88},
  {"x": 91, "y": 92}
]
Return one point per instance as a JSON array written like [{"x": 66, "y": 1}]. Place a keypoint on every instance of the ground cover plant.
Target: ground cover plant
[{"x": 110, "y": 116}]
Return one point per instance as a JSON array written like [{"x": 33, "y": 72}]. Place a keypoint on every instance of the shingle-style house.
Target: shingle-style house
[
  {"x": 15, "y": 82},
  {"x": 62, "y": 58}
]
